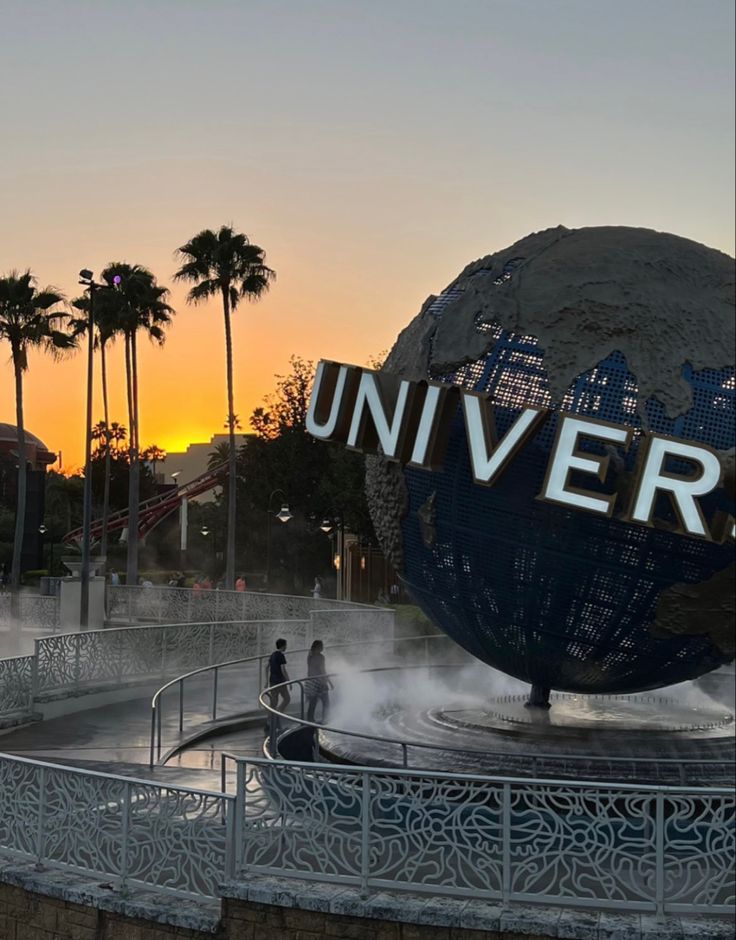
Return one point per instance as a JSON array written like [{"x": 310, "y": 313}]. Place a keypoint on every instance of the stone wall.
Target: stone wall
[
  {"x": 252, "y": 921},
  {"x": 48, "y": 905},
  {"x": 25, "y": 915}
]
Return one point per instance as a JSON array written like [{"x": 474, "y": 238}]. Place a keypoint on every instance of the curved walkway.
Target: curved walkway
[{"x": 115, "y": 738}]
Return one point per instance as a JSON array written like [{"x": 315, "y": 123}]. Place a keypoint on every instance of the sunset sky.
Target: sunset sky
[{"x": 371, "y": 147}]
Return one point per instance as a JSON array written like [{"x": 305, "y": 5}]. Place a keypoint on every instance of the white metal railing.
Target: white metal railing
[
  {"x": 16, "y": 684},
  {"x": 70, "y": 663},
  {"x": 251, "y": 685},
  {"x": 399, "y": 751},
  {"x": 184, "y": 605},
  {"x": 133, "y": 832},
  {"x": 551, "y": 842},
  {"x": 73, "y": 661},
  {"x": 23, "y": 610}
]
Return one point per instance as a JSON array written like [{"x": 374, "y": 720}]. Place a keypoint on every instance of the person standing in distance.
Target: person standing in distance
[
  {"x": 277, "y": 673},
  {"x": 317, "y": 685}
]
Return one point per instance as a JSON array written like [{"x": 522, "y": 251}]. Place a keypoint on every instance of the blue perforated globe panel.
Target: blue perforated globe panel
[{"x": 561, "y": 597}]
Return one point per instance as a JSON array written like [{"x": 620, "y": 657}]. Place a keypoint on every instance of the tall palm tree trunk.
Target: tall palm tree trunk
[
  {"x": 131, "y": 573},
  {"x": 20, "y": 510},
  {"x": 232, "y": 468},
  {"x": 108, "y": 462}
]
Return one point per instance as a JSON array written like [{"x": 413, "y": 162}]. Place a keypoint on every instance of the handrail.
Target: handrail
[
  {"x": 405, "y": 745},
  {"x": 331, "y": 603},
  {"x": 84, "y": 771},
  {"x": 155, "y": 734},
  {"x": 107, "y": 631},
  {"x": 481, "y": 778}
]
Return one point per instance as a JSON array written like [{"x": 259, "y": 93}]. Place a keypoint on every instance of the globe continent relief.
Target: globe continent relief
[{"x": 624, "y": 325}]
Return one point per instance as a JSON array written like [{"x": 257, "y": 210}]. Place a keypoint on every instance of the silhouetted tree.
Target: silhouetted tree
[
  {"x": 29, "y": 319},
  {"x": 225, "y": 264}
]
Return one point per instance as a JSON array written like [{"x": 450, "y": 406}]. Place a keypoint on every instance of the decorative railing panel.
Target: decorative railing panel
[
  {"x": 184, "y": 605},
  {"x": 134, "y": 832},
  {"x": 40, "y": 611},
  {"x": 637, "y": 848},
  {"x": 131, "y": 654},
  {"x": 16, "y": 684},
  {"x": 352, "y": 625},
  {"x": 35, "y": 610}
]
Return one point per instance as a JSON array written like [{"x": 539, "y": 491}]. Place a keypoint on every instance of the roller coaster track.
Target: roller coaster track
[{"x": 156, "y": 509}]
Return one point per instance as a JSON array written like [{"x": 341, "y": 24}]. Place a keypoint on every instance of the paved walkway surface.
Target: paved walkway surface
[{"x": 116, "y": 738}]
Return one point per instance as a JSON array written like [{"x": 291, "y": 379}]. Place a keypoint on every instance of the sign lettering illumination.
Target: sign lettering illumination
[{"x": 408, "y": 421}]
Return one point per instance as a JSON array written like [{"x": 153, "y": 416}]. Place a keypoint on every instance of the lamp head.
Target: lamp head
[
  {"x": 85, "y": 275},
  {"x": 284, "y": 515}
]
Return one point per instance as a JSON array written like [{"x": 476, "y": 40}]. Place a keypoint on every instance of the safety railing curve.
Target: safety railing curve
[
  {"x": 554, "y": 842},
  {"x": 155, "y": 741},
  {"x": 536, "y": 761}
]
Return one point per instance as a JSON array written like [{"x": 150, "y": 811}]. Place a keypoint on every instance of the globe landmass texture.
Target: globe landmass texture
[{"x": 624, "y": 325}]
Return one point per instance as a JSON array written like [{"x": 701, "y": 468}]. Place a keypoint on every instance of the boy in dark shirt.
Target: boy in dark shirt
[{"x": 277, "y": 673}]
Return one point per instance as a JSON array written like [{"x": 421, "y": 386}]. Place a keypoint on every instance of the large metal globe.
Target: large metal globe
[{"x": 625, "y": 325}]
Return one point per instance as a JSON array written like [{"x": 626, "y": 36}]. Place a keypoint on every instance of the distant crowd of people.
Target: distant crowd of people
[{"x": 203, "y": 582}]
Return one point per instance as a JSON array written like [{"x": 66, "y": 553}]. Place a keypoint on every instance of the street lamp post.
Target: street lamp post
[
  {"x": 86, "y": 277},
  {"x": 283, "y": 515},
  {"x": 42, "y": 530},
  {"x": 183, "y": 522}
]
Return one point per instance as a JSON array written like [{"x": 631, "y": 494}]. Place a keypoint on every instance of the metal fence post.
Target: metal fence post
[
  {"x": 181, "y": 705},
  {"x": 211, "y": 649},
  {"x": 119, "y": 673},
  {"x": 164, "y": 644},
  {"x": 154, "y": 710},
  {"x": 34, "y": 675},
  {"x": 506, "y": 826},
  {"x": 214, "y": 693},
  {"x": 159, "y": 709},
  {"x": 77, "y": 665},
  {"x": 659, "y": 853},
  {"x": 41, "y": 816},
  {"x": 228, "y": 812},
  {"x": 125, "y": 823},
  {"x": 236, "y": 860},
  {"x": 365, "y": 830}
]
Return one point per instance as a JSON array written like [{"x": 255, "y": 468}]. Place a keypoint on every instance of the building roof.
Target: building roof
[{"x": 9, "y": 434}]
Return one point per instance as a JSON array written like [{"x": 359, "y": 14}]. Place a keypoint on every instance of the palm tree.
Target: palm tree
[
  {"x": 153, "y": 455},
  {"x": 101, "y": 435},
  {"x": 136, "y": 303},
  {"x": 225, "y": 264},
  {"x": 118, "y": 433},
  {"x": 107, "y": 326},
  {"x": 219, "y": 455},
  {"x": 28, "y": 320}
]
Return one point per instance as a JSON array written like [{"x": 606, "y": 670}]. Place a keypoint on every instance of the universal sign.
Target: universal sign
[{"x": 410, "y": 421}]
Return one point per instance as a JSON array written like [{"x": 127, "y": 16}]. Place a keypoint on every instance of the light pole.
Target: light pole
[
  {"x": 42, "y": 530},
  {"x": 183, "y": 522},
  {"x": 283, "y": 515},
  {"x": 86, "y": 277},
  {"x": 337, "y": 560}
]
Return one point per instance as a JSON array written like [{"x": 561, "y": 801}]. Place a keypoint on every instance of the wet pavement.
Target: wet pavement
[{"x": 116, "y": 738}]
